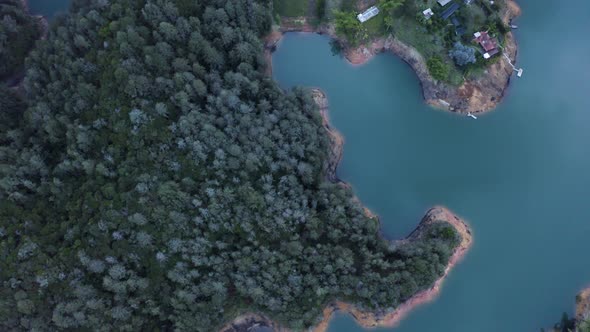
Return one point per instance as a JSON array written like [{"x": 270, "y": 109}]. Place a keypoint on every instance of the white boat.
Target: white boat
[{"x": 472, "y": 116}]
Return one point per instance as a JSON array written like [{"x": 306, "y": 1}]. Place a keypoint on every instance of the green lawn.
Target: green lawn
[
  {"x": 290, "y": 8},
  {"x": 375, "y": 26}
]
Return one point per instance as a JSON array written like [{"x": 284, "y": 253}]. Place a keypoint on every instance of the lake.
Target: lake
[
  {"x": 48, "y": 8},
  {"x": 519, "y": 175}
]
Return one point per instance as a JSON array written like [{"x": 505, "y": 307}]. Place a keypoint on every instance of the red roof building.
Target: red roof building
[{"x": 487, "y": 43}]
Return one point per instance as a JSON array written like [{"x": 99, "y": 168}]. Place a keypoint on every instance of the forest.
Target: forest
[
  {"x": 153, "y": 178},
  {"x": 18, "y": 32}
]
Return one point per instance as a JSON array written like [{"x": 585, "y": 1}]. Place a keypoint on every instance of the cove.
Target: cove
[{"x": 519, "y": 175}]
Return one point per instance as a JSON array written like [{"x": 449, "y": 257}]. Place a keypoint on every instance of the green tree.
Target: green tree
[
  {"x": 438, "y": 69},
  {"x": 18, "y": 32},
  {"x": 348, "y": 26},
  {"x": 388, "y": 6},
  {"x": 462, "y": 55}
]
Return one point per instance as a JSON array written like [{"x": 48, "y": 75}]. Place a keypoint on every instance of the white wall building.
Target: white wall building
[{"x": 368, "y": 14}]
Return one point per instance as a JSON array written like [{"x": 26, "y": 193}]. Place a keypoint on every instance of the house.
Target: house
[
  {"x": 491, "y": 53},
  {"x": 443, "y": 2},
  {"x": 488, "y": 43},
  {"x": 368, "y": 14},
  {"x": 428, "y": 13},
  {"x": 449, "y": 11}
]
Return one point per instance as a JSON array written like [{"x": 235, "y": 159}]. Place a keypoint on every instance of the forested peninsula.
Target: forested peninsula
[
  {"x": 152, "y": 176},
  {"x": 441, "y": 51}
]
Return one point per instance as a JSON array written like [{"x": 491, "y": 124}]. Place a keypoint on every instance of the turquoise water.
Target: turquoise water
[
  {"x": 519, "y": 175},
  {"x": 48, "y": 8}
]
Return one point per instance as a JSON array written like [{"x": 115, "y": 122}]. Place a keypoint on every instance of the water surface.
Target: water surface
[
  {"x": 48, "y": 8},
  {"x": 519, "y": 175}
]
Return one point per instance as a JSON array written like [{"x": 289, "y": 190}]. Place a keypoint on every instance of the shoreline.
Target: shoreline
[
  {"x": 479, "y": 95},
  {"x": 583, "y": 305},
  {"x": 15, "y": 82},
  {"x": 367, "y": 319},
  {"x": 26, "y": 5}
]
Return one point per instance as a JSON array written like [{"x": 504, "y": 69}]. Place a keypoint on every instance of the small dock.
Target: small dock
[
  {"x": 518, "y": 71},
  {"x": 512, "y": 25},
  {"x": 472, "y": 116}
]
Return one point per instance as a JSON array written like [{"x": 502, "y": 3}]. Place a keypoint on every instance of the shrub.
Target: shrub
[
  {"x": 437, "y": 68},
  {"x": 462, "y": 54}
]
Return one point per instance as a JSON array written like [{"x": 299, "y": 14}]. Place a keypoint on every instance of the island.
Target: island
[{"x": 463, "y": 52}]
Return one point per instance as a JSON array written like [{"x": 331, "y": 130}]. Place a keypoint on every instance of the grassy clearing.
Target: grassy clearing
[
  {"x": 290, "y": 8},
  {"x": 376, "y": 26},
  {"x": 436, "y": 37},
  {"x": 432, "y": 38},
  {"x": 411, "y": 32}
]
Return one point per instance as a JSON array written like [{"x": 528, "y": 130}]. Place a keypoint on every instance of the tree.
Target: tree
[
  {"x": 158, "y": 180},
  {"x": 388, "y": 6},
  {"x": 18, "y": 32},
  {"x": 437, "y": 68},
  {"x": 348, "y": 26},
  {"x": 462, "y": 54}
]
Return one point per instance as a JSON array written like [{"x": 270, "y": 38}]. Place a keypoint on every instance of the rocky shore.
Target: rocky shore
[
  {"x": 476, "y": 96},
  {"x": 253, "y": 322},
  {"x": 392, "y": 318},
  {"x": 43, "y": 23},
  {"x": 583, "y": 306}
]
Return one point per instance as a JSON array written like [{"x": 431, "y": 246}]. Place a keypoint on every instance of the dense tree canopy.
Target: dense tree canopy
[
  {"x": 18, "y": 32},
  {"x": 158, "y": 180},
  {"x": 462, "y": 55}
]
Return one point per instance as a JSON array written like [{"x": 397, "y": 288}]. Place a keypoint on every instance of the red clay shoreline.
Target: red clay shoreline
[
  {"x": 360, "y": 56},
  {"x": 583, "y": 305},
  {"x": 478, "y": 95},
  {"x": 364, "y": 318},
  {"x": 369, "y": 319}
]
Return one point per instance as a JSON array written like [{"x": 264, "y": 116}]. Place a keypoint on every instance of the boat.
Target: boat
[{"x": 472, "y": 116}]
